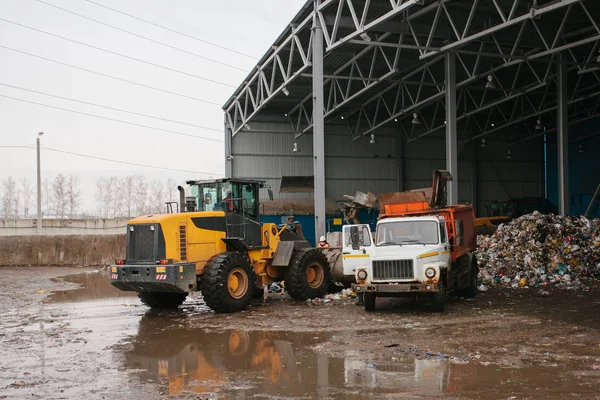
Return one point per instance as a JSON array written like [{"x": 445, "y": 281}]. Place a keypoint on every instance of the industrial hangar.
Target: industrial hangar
[{"x": 373, "y": 95}]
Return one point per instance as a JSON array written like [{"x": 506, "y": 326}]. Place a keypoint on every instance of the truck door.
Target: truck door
[
  {"x": 357, "y": 254},
  {"x": 445, "y": 249}
]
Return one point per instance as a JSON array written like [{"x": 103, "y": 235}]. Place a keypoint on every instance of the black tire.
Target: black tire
[
  {"x": 216, "y": 283},
  {"x": 439, "y": 298},
  {"x": 334, "y": 288},
  {"x": 471, "y": 290},
  {"x": 369, "y": 301},
  {"x": 299, "y": 281},
  {"x": 162, "y": 300}
]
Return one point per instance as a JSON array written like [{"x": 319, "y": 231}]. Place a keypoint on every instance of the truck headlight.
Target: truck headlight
[
  {"x": 362, "y": 274},
  {"x": 430, "y": 272}
]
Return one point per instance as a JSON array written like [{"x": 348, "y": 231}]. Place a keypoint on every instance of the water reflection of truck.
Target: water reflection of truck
[{"x": 420, "y": 248}]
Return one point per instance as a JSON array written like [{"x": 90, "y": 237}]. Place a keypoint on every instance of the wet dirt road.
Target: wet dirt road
[{"x": 76, "y": 337}]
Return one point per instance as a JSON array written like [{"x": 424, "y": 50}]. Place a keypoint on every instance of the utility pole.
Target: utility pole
[{"x": 39, "y": 186}]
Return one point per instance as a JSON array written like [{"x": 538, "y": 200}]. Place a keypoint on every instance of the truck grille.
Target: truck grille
[
  {"x": 145, "y": 243},
  {"x": 393, "y": 269}
]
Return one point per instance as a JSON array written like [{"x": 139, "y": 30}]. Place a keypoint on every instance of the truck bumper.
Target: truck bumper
[
  {"x": 173, "y": 278},
  {"x": 396, "y": 288}
]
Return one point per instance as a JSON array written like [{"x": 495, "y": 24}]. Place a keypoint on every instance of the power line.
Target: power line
[
  {"x": 111, "y": 108},
  {"x": 173, "y": 30},
  {"x": 111, "y": 76},
  {"x": 141, "y": 36},
  {"x": 119, "y": 54},
  {"x": 111, "y": 119},
  {"x": 127, "y": 162},
  {"x": 111, "y": 160}
]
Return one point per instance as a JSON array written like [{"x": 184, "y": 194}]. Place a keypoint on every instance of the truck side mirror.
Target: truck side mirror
[
  {"x": 270, "y": 191},
  {"x": 354, "y": 238}
]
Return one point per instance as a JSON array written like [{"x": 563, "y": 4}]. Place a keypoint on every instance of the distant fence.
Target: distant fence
[{"x": 63, "y": 227}]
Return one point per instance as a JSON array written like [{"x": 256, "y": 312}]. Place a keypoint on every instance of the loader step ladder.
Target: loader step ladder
[{"x": 595, "y": 199}]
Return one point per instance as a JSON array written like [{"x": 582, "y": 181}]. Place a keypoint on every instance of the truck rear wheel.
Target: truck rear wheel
[
  {"x": 228, "y": 283},
  {"x": 308, "y": 276},
  {"x": 162, "y": 300},
  {"x": 369, "y": 301},
  {"x": 471, "y": 290}
]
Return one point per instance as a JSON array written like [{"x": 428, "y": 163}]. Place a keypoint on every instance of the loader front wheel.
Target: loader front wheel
[
  {"x": 228, "y": 283},
  {"x": 308, "y": 276},
  {"x": 161, "y": 300}
]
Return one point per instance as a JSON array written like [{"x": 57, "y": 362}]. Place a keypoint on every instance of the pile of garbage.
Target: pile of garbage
[
  {"x": 539, "y": 249},
  {"x": 344, "y": 294}
]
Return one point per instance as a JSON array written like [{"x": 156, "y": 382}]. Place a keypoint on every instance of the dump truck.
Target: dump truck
[
  {"x": 215, "y": 243},
  {"x": 420, "y": 248}
]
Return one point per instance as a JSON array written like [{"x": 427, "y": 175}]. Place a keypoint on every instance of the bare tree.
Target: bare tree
[
  {"x": 128, "y": 190},
  {"x": 9, "y": 199},
  {"x": 171, "y": 190},
  {"x": 59, "y": 195},
  {"x": 141, "y": 196},
  {"x": 157, "y": 197},
  {"x": 73, "y": 195},
  {"x": 26, "y": 195}
]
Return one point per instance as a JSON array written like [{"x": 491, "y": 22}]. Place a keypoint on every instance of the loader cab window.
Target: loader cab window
[
  {"x": 209, "y": 196},
  {"x": 249, "y": 198}
]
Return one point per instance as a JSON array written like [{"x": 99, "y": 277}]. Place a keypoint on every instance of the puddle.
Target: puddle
[
  {"x": 245, "y": 364},
  {"x": 92, "y": 285}
]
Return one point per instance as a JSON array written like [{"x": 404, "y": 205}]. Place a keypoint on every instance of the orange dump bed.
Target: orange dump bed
[{"x": 460, "y": 219}]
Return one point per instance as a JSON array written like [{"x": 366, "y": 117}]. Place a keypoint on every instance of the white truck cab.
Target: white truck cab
[{"x": 406, "y": 255}]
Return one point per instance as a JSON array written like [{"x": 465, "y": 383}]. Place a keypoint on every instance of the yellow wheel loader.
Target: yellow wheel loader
[{"x": 215, "y": 243}]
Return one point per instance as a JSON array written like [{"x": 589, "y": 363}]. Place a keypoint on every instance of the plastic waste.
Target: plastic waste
[{"x": 537, "y": 250}]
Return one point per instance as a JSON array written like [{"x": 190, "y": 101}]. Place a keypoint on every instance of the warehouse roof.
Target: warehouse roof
[{"x": 384, "y": 65}]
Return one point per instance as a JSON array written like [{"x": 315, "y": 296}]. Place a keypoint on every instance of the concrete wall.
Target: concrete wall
[
  {"x": 86, "y": 250},
  {"x": 53, "y": 227}
]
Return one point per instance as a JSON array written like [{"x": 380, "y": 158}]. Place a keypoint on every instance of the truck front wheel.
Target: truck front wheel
[
  {"x": 370, "y": 302},
  {"x": 162, "y": 300},
  {"x": 439, "y": 298}
]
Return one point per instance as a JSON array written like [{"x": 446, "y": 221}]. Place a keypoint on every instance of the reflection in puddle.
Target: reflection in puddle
[
  {"x": 93, "y": 285},
  {"x": 187, "y": 360},
  {"x": 198, "y": 361}
]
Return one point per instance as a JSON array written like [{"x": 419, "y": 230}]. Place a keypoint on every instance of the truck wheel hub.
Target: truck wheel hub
[
  {"x": 237, "y": 283},
  {"x": 315, "y": 275}
]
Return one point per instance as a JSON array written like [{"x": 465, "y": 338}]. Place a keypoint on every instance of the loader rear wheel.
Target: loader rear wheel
[
  {"x": 228, "y": 283},
  {"x": 308, "y": 276},
  {"x": 161, "y": 300}
]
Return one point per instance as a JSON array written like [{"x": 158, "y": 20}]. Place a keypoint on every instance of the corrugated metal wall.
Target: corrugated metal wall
[
  {"x": 391, "y": 164},
  {"x": 265, "y": 152}
]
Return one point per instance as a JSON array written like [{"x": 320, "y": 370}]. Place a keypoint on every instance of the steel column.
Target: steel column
[
  {"x": 451, "y": 127},
  {"x": 319, "y": 125},
  {"x": 228, "y": 155},
  {"x": 562, "y": 136}
]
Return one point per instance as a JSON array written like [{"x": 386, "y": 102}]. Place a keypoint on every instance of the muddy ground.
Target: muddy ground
[{"x": 65, "y": 333}]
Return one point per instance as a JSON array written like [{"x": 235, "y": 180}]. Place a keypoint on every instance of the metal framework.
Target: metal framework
[{"x": 384, "y": 61}]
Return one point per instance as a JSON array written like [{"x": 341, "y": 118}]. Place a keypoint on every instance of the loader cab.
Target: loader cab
[{"x": 229, "y": 195}]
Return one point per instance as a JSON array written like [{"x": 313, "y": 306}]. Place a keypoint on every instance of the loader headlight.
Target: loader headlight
[
  {"x": 430, "y": 272},
  {"x": 362, "y": 274}
]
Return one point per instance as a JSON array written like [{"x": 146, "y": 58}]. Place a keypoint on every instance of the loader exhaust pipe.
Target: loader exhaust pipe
[{"x": 181, "y": 198}]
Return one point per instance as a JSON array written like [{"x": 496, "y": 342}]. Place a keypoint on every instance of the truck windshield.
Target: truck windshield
[{"x": 407, "y": 232}]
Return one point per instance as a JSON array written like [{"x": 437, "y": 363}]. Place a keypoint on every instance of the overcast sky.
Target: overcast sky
[{"x": 247, "y": 26}]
